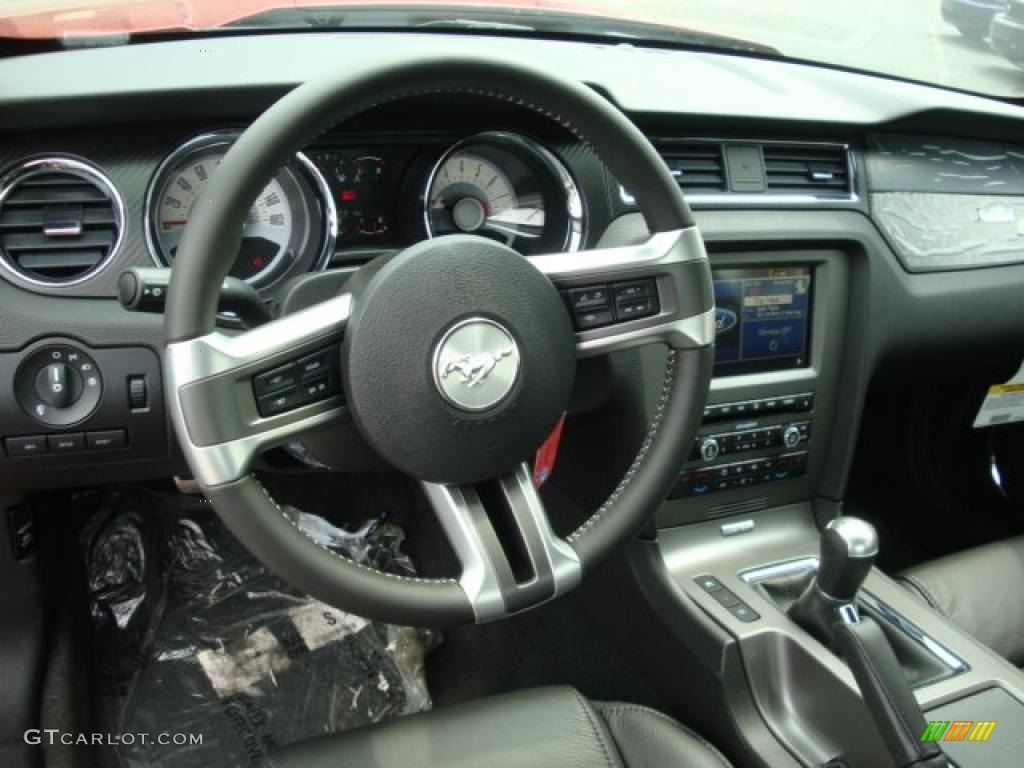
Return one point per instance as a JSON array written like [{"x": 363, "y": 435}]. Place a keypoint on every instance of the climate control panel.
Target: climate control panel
[{"x": 747, "y": 443}]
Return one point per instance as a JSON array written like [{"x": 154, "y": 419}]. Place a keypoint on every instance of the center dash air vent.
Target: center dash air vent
[
  {"x": 697, "y": 167},
  {"x": 821, "y": 169},
  {"x": 60, "y": 220}
]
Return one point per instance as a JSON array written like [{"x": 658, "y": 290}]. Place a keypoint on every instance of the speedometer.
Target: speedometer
[
  {"x": 288, "y": 228},
  {"x": 508, "y": 188}
]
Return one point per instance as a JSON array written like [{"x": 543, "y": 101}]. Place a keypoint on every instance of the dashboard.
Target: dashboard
[{"x": 852, "y": 233}]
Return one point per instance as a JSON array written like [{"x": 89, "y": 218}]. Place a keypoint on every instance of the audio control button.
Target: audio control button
[
  {"x": 709, "y": 449},
  {"x": 791, "y": 437}
]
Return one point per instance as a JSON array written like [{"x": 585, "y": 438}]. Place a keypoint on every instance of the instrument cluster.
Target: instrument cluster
[{"x": 339, "y": 203}]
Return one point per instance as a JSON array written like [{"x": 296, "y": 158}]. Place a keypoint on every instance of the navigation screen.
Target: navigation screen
[{"x": 762, "y": 319}]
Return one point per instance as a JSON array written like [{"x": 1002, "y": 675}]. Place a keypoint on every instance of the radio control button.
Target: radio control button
[
  {"x": 791, "y": 437},
  {"x": 709, "y": 449}
]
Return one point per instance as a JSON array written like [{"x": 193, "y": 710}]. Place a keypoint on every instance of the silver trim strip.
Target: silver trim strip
[
  {"x": 64, "y": 164},
  {"x": 898, "y": 620},
  {"x": 217, "y": 353},
  {"x": 660, "y": 250},
  {"x": 463, "y": 516}
]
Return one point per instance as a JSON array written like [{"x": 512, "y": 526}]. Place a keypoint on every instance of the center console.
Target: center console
[
  {"x": 740, "y": 535},
  {"x": 765, "y": 429}
]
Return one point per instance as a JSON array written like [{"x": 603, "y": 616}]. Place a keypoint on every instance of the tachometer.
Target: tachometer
[
  {"x": 288, "y": 229},
  {"x": 508, "y": 188}
]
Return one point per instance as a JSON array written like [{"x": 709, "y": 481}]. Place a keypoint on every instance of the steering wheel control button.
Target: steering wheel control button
[
  {"x": 593, "y": 319},
  {"x": 594, "y": 306},
  {"x": 637, "y": 289},
  {"x": 70, "y": 443},
  {"x": 476, "y": 364},
  {"x": 271, "y": 405},
  {"x": 310, "y": 378},
  {"x": 594, "y": 297},
  {"x": 106, "y": 439},
  {"x": 634, "y": 309},
  {"x": 31, "y": 445},
  {"x": 314, "y": 365},
  {"x": 58, "y": 385},
  {"x": 275, "y": 381}
]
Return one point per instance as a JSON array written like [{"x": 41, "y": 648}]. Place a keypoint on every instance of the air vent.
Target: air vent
[
  {"x": 60, "y": 221},
  {"x": 697, "y": 167},
  {"x": 821, "y": 170}
]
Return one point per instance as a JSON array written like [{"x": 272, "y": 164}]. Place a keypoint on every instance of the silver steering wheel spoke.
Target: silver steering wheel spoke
[
  {"x": 233, "y": 396},
  {"x": 511, "y": 558},
  {"x": 655, "y": 292}
]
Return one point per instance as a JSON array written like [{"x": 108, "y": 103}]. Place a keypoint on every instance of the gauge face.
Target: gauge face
[
  {"x": 473, "y": 194},
  {"x": 508, "y": 188},
  {"x": 278, "y": 233},
  {"x": 268, "y": 228}
]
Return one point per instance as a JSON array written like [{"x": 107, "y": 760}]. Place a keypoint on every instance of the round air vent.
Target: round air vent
[{"x": 60, "y": 220}]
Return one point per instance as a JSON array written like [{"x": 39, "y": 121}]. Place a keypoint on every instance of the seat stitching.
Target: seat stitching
[
  {"x": 593, "y": 726},
  {"x": 668, "y": 386},
  {"x": 925, "y": 592},
  {"x": 613, "y": 709}
]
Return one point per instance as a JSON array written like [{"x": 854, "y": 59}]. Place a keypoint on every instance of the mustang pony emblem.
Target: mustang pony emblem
[{"x": 473, "y": 369}]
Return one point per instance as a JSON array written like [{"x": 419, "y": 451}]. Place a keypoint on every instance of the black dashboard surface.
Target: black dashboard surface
[{"x": 118, "y": 108}]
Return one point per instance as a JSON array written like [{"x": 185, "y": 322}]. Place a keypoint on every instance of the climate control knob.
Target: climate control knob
[
  {"x": 709, "y": 449},
  {"x": 791, "y": 437}
]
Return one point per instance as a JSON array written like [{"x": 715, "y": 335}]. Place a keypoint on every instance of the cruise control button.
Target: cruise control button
[
  {"x": 65, "y": 443},
  {"x": 634, "y": 290},
  {"x": 108, "y": 438},
  {"x": 633, "y": 309},
  {"x": 316, "y": 389},
  {"x": 275, "y": 380},
  {"x": 314, "y": 365},
  {"x": 32, "y": 445},
  {"x": 585, "y": 320},
  {"x": 271, "y": 405},
  {"x": 591, "y": 297}
]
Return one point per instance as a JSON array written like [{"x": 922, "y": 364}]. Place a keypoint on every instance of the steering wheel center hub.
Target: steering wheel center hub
[
  {"x": 476, "y": 364},
  {"x": 458, "y": 360}
]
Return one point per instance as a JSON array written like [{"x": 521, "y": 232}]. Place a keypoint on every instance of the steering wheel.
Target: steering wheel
[{"x": 455, "y": 358}]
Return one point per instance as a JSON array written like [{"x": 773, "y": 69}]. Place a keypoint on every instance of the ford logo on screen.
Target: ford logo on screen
[{"x": 725, "y": 320}]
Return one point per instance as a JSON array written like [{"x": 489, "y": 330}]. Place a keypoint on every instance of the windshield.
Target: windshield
[{"x": 973, "y": 45}]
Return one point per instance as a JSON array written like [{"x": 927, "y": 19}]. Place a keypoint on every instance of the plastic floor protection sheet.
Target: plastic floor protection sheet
[{"x": 193, "y": 637}]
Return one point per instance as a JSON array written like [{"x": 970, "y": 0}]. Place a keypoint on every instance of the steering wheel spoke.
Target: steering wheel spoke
[
  {"x": 656, "y": 291},
  {"x": 235, "y": 395},
  {"x": 511, "y": 558}
]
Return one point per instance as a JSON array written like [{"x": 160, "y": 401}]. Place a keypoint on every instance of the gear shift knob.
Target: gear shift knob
[{"x": 849, "y": 547}]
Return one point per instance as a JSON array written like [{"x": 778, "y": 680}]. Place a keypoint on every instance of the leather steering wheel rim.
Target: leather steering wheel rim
[{"x": 212, "y": 238}]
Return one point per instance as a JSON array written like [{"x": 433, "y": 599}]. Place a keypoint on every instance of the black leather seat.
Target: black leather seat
[
  {"x": 980, "y": 591},
  {"x": 537, "y": 728}
]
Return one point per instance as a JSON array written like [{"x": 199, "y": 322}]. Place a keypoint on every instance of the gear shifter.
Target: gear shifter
[
  {"x": 827, "y": 609},
  {"x": 849, "y": 547}
]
